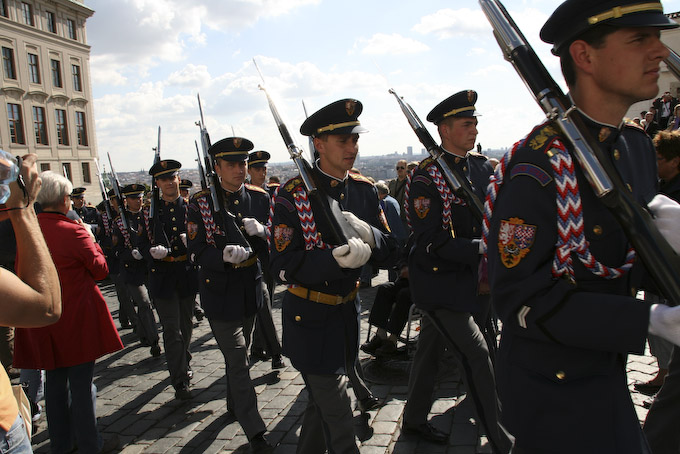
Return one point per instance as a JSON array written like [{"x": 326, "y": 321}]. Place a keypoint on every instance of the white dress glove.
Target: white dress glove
[
  {"x": 158, "y": 252},
  {"x": 664, "y": 322},
  {"x": 363, "y": 228},
  {"x": 136, "y": 254},
  {"x": 183, "y": 237},
  {"x": 233, "y": 253},
  {"x": 254, "y": 228},
  {"x": 352, "y": 255},
  {"x": 666, "y": 213}
]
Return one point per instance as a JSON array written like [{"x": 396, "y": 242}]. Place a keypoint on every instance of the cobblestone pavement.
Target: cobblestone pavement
[{"x": 136, "y": 403}]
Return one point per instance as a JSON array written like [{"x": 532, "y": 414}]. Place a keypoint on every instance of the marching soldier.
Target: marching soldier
[
  {"x": 321, "y": 307},
  {"x": 257, "y": 168},
  {"x": 443, "y": 267},
  {"x": 127, "y": 243},
  {"x": 230, "y": 277},
  {"x": 172, "y": 279},
  {"x": 563, "y": 274},
  {"x": 184, "y": 188},
  {"x": 88, "y": 214}
]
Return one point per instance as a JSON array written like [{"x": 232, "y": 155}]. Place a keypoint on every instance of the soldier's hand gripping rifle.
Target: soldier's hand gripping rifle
[
  {"x": 661, "y": 261},
  {"x": 459, "y": 183},
  {"x": 233, "y": 231},
  {"x": 339, "y": 228},
  {"x": 155, "y": 197},
  {"x": 105, "y": 198},
  {"x": 121, "y": 202}
]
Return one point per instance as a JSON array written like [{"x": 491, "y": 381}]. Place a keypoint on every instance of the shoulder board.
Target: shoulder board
[
  {"x": 199, "y": 194},
  {"x": 542, "y": 137},
  {"x": 252, "y": 187},
  {"x": 474, "y": 154},
  {"x": 627, "y": 122},
  {"x": 425, "y": 163},
  {"x": 359, "y": 177},
  {"x": 291, "y": 184}
]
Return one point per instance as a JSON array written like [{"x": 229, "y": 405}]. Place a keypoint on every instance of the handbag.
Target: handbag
[{"x": 24, "y": 408}]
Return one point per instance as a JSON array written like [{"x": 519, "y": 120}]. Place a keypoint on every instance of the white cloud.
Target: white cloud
[
  {"x": 190, "y": 76},
  {"x": 491, "y": 70},
  {"x": 448, "y": 23},
  {"x": 476, "y": 51},
  {"x": 393, "y": 44}
]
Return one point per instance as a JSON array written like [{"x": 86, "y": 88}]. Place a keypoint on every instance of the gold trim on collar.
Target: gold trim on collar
[
  {"x": 337, "y": 125},
  {"x": 619, "y": 11},
  {"x": 455, "y": 111}
]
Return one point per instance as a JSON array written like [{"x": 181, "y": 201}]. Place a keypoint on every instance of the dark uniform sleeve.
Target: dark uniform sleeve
[{"x": 533, "y": 304}]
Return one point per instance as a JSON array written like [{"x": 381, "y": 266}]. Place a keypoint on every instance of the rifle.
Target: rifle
[
  {"x": 311, "y": 139},
  {"x": 456, "y": 181},
  {"x": 213, "y": 182},
  {"x": 673, "y": 63},
  {"x": 105, "y": 196},
  {"x": 201, "y": 171},
  {"x": 657, "y": 255},
  {"x": 121, "y": 202},
  {"x": 339, "y": 228},
  {"x": 155, "y": 192}
]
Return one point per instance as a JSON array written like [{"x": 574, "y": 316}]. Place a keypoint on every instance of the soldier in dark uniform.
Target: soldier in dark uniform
[
  {"x": 443, "y": 267},
  {"x": 562, "y": 272},
  {"x": 127, "y": 316},
  {"x": 273, "y": 185},
  {"x": 88, "y": 214},
  {"x": 128, "y": 244},
  {"x": 173, "y": 281},
  {"x": 184, "y": 188},
  {"x": 226, "y": 245},
  {"x": 265, "y": 338},
  {"x": 321, "y": 307}
]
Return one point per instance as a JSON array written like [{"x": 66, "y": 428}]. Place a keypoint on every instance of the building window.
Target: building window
[
  {"x": 39, "y": 125},
  {"x": 71, "y": 26},
  {"x": 8, "y": 63},
  {"x": 86, "y": 172},
  {"x": 56, "y": 73},
  {"x": 27, "y": 12},
  {"x": 51, "y": 22},
  {"x": 77, "y": 83},
  {"x": 33, "y": 68},
  {"x": 3, "y": 8},
  {"x": 62, "y": 129},
  {"x": 66, "y": 169},
  {"x": 16, "y": 124},
  {"x": 81, "y": 128},
  {"x": 45, "y": 166}
]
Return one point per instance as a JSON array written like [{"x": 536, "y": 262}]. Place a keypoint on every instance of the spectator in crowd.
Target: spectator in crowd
[
  {"x": 31, "y": 298},
  {"x": 674, "y": 121},
  {"x": 664, "y": 106},
  {"x": 651, "y": 126},
  {"x": 68, "y": 349},
  {"x": 392, "y": 212},
  {"x": 397, "y": 188}
]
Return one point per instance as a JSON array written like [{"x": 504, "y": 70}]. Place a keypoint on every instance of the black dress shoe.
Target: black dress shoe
[
  {"x": 259, "y": 354},
  {"x": 190, "y": 373},
  {"x": 371, "y": 346},
  {"x": 277, "y": 362},
  {"x": 260, "y": 445},
  {"x": 368, "y": 403},
  {"x": 427, "y": 432},
  {"x": 648, "y": 389},
  {"x": 182, "y": 392},
  {"x": 155, "y": 351}
]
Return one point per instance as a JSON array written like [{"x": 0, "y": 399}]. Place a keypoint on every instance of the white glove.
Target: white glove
[
  {"x": 352, "y": 255},
  {"x": 158, "y": 252},
  {"x": 664, "y": 322},
  {"x": 666, "y": 213},
  {"x": 254, "y": 228},
  {"x": 362, "y": 227},
  {"x": 183, "y": 237},
  {"x": 136, "y": 254},
  {"x": 233, "y": 253}
]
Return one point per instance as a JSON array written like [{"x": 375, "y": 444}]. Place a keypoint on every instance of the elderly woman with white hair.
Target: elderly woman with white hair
[{"x": 68, "y": 349}]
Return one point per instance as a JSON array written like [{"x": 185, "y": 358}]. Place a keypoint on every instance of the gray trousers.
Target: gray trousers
[
  {"x": 241, "y": 397},
  {"x": 327, "y": 423},
  {"x": 176, "y": 317},
  {"x": 126, "y": 308},
  {"x": 459, "y": 332},
  {"x": 146, "y": 323}
]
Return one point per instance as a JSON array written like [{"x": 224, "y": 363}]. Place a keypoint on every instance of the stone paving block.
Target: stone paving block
[
  {"x": 279, "y": 401},
  {"x": 384, "y": 427},
  {"x": 373, "y": 449},
  {"x": 389, "y": 413},
  {"x": 377, "y": 440},
  {"x": 162, "y": 445}
]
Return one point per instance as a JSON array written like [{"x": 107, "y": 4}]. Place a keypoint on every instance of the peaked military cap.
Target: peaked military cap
[
  {"x": 78, "y": 193},
  {"x": 132, "y": 190},
  {"x": 231, "y": 149},
  {"x": 339, "y": 117},
  {"x": 111, "y": 193},
  {"x": 185, "y": 184},
  {"x": 461, "y": 104},
  {"x": 573, "y": 17},
  {"x": 165, "y": 168},
  {"x": 258, "y": 159}
]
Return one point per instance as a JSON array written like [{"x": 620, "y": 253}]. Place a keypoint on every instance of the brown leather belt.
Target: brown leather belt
[
  {"x": 245, "y": 264},
  {"x": 181, "y": 258},
  {"x": 323, "y": 298}
]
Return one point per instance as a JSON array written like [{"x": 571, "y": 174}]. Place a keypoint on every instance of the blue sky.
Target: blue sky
[{"x": 150, "y": 58}]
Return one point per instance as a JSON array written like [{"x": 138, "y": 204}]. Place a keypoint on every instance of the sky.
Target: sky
[{"x": 150, "y": 58}]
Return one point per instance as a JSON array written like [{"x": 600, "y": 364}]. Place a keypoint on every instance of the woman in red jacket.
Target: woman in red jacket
[{"x": 68, "y": 349}]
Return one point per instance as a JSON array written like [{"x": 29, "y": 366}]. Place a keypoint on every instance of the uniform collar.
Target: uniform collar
[
  {"x": 604, "y": 133},
  {"x": 453, "y": 158},
  {"x": 329, "y": 177},
  {"x": 236, "y": 193}
]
